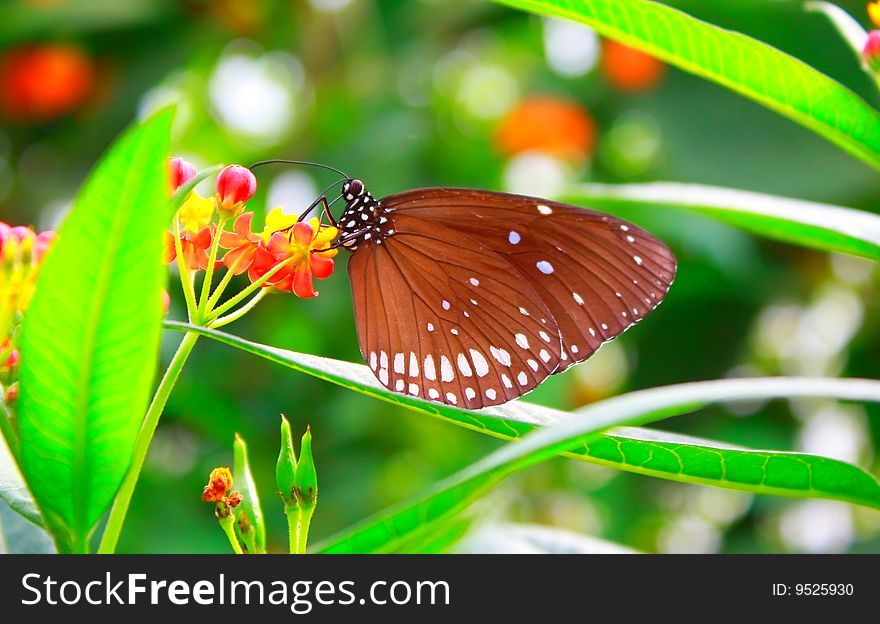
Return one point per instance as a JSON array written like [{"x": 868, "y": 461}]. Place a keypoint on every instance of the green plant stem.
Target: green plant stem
[
  {"x": 142, "y": 444},
  {"x": 234, "y": 316},
  {"x": 244, "y": 294},
  {"x": 186, "y": 281},
  {"x": 221, "y": 287},
  {"x": 209, "y": 270},
  {"x": 303, "y": 522},
  {"x": 228, "y": 526}
]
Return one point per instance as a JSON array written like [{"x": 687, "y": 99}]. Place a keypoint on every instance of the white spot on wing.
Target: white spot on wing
[
  {"x": 523, "y": 311},
  {"x": 506, "y": 381},
  {"x": 637, "y": 260},
  {"x": 446, "y": 372},
  {"x": 464, "y": 366},
  {"x": 522, "y": 341},
  {"x": 533, "y": 364},
  {"x": 544, "y": 336},
  {"x": 469, "y": 393},
  {"x": 430, "y": 327},
  {"x": 432, "y": 392},
  {"x": 430, "y": 373},
  {"x": 513, "y": 238},
  {"x": 480, "y": 363},
  {"x": 474, "y": 281},
  {"x": 501, "y": 355},
  {"x": 398, "y": 363},
  {"x": 452, "y": 398},
  {"x": 398, "y": 385},
  {"x": 544, "y": 355},
  {"x": 373, "y": 360},
  {"x": 446, "y": 305},
  {"x": 544, "y": 210},
  {"x": 490, "y": 394},
  {"x": 413, "y": 365},
  {"x": 577, "y": 298},
  {"x": 414, "y": 389},
  {"x": 544, "y": 267},
  {"x": 522, "y": 378}
]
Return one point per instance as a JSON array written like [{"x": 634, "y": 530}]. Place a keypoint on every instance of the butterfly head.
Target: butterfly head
[
  {"x": 352, "y": 189},
  {"x": 363, "y": 219}
]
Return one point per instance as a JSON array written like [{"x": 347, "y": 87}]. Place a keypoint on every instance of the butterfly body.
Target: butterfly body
[{"x": 473, "y": 298}]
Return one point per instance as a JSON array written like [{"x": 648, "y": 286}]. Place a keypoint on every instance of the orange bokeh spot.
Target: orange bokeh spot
[
  {"x": 629, "y": 69},
  {"x": 549, "y": 125},
  {"x": 39, "y": 83}
]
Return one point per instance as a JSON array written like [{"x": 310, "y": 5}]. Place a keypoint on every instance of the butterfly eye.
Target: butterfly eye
[{"x": 353, "y": 188}]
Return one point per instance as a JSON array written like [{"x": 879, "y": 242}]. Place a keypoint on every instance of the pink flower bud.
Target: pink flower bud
[
  {"x": 235, "y": 186},
  {"x": 182, "y": 171},
  {"x": 871, "y": 51},
  {"x": 42, "y": 244}
]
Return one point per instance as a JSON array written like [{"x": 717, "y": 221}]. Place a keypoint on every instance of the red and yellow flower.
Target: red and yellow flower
[{"x": 306, "y": 253}]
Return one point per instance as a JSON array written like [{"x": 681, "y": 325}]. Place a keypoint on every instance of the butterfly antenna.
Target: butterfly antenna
[{"x": 306, "y": 163}]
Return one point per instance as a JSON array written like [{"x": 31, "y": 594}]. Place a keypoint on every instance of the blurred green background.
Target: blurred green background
[{"x": 439, "y": 92}]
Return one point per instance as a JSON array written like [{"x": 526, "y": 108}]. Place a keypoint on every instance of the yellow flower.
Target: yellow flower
[
  {"x": 196, "y": 213},
  {"x": 277, "y": 221},
  {"x": 874, "y": 12}
]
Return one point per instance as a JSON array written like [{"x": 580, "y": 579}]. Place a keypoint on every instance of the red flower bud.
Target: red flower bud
[
  {"x": 871, "y": 51},
  {"x": 12, "y": 393},
  {"x": 234, "y": 499},
  {"x": 235, "y": 186},
  {"x": 182, "y": 171},
  {"x": 11, "y": 361}
]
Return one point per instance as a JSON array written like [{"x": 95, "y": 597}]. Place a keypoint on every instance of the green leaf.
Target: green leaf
[
  {"x": 533, "y": 539},
  {"x": 254, "y": 534},
  {"x": 452, "y": 495},
  {"x": 814, "y": 225},
  {"x": 17, "y": 535},
  {"x": 90, "y": 338},
  {"x": 749, "y": 67},
  {"x": 708, "y": 462},
  {"x": 667, "y": 456},
  {"x": 13, "y": 489}
]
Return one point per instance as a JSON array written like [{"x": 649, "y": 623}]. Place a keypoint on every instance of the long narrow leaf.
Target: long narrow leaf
[
  {"x": 90, "y": 338},
  {"x": 455, "y": 493},
  {"x": 811, "y": 224},
  {"x": 687, "y": 460},
  {"x": 754, "y": 69}
]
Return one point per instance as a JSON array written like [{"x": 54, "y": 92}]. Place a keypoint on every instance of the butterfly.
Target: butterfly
[{"x": 472, "y": 298}]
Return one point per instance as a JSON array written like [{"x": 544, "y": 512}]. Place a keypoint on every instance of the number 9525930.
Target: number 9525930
[{"x": 823, "y": 589}]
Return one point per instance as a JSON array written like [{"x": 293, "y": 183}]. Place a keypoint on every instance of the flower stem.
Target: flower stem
[
  {"x": 234, "y": 316},
  {"x": 303, "y": 521},
  {"x": 244, "y": 294},
  {"x": 209, "y": 271},
  {"x": 215, "y": 296},
  {"x": 228, "y": 526},
  {"x": 186, "y": 282},
  {"x": 142, "y": 444},
  {"x": 299, "y": 519}
]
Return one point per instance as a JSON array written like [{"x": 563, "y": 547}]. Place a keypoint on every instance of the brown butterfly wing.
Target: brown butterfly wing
[
  {"x": 442, "y": 316},
  {"x": 598, "y": 275}
]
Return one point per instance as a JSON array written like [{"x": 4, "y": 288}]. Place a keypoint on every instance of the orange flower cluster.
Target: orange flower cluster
[
  {"x": 294, "y": 252},
  {"x": 219, "y": 483}
]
